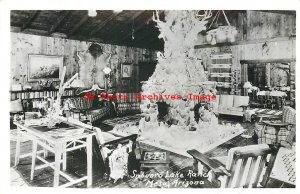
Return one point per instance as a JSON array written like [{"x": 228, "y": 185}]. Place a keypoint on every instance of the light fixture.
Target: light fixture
[
  {"x": 247, "y": 85},
  {"x": 117, "y": 11},
  {"x": 92, "y": 13},
  {"x": 132, "y": 29}
]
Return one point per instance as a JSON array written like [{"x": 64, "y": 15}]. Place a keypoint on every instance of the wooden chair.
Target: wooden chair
[
  {"x": 248, "y": 166},
  {"x": 107, "y": 141},
  {"x": 106, "y": 144},
  {"x": 282, "y": 131},
  {"x": 16, "y": 108}
]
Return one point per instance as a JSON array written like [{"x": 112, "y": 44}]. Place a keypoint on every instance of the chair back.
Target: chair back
[
  {"x": 250, "y": 166},
  {"x": 80, "y": 104},
  {"x": 288, "y": 115}
]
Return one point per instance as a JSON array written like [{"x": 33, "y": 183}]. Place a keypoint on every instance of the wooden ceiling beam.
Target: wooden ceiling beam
[
  {"x": 58, "y": 22},
  {"x": 83, "y": 20},
  {"x": 32, "y": 16},
  {"x": 103, "y": 23}
]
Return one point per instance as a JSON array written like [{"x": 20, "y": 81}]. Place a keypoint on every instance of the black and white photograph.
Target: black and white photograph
[{"x": 152, "y": 98}]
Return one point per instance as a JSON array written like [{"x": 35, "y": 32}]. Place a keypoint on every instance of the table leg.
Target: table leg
[
  {"x": 58, "y": 153},
  {"x": 89, "y": 160},
  {"x": 18, "y": 144},
  {"x": 45, "y": 150},
  {"x": 64, "y": 157},
  {"x": 34, "y": 153}
]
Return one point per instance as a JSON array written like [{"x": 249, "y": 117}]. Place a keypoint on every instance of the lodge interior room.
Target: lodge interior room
[{"x": 146, "y": 98}]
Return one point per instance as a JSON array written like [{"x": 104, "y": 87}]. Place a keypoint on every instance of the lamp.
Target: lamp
[
  {"x": 247, "y": 85},
  {"x": 106, "y": 70}
]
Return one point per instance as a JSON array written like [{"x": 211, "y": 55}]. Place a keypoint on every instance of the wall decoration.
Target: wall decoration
[
  {"x": 126, "y": 70},
  {"x": 279, "y": 75},
  {"x": 95, "y": 50},
  {"x": 44, "y": 67}
]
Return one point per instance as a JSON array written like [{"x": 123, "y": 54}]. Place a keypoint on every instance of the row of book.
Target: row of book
[{"x": 38, "y": 94}]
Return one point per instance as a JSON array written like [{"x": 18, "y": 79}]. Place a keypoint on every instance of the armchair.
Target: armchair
[
  {"x": 104, "y": 145},
  {"x": 110, "y": 146},
  {"x": 282, "y": 130},
  {"x": 245, "y": 167}
]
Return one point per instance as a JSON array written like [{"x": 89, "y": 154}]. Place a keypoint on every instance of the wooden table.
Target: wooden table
[
  {"x": 266, "y": 116},
  {"x": 59, "y": 144}
]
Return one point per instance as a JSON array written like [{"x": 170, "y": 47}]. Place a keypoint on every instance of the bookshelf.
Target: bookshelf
[
  {"x": 39, "y": 94},
  {"x": 221, "y": 71},
  {"x": 31, "y": 98}
]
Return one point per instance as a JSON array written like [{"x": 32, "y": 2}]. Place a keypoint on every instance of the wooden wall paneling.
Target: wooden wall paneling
[
  {"x": 50, "y": 46},
  {"x": 244, "y": 22},
  {"x": 24, "y": 44},
  {"x": 268, "y": 25},
  {"x": 248, "y": 26},
  {"x": 240, "y": 25}
]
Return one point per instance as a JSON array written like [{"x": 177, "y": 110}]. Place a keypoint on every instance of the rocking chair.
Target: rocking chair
[{"x": 245, "y": 167}]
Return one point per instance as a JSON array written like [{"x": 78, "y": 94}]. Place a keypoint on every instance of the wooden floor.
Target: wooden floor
[{"x": 76, "y": 167}]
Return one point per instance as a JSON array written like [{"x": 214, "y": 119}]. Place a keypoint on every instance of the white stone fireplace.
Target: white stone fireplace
[{"x": 179, "y": 71}]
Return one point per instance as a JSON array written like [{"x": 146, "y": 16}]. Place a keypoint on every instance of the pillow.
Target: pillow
[
  {"x": 240, "y": 101},
  {"x": 226, "y": 100},
  {"x": 16, "y": 106},
  {"x": 80, "y": 103}
]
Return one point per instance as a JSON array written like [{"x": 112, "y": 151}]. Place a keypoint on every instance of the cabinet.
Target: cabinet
[{"x": 221, "y": 71}]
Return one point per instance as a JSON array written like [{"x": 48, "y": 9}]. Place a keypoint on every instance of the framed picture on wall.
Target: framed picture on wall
[
  {"x": 126, "y": 70},
  {"x": 41, "y": 67}
]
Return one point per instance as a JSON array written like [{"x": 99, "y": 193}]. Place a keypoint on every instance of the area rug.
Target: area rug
[{"x": 16, "y": 180}]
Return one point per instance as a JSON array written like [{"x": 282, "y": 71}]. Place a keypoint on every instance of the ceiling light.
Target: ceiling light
[
  {"x": 117, "y": 11},
  {"x": 92, "y": 13}
]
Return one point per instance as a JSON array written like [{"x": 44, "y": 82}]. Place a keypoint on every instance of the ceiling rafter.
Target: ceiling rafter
[
  {"x": 58, "y": 22},
  {"x": 83, "y": 20},
  {"x": 103, "y": 23},
  {"x": 32, "y": 16}
]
